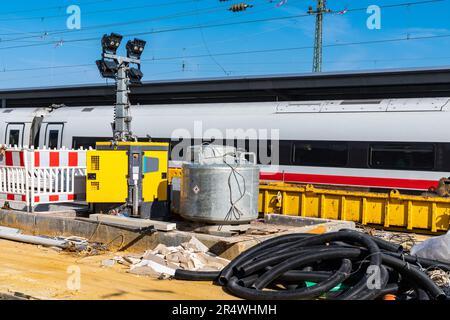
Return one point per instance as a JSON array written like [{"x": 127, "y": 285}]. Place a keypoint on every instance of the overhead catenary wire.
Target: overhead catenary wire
[
  {"x": 173, "y": 72},
  {"x": 44, "y": 35},
  {"x": 191, "y": 27},
  {"x": 202, "y": 34},
  {"x": 110, "y": 25},
  {"x": 5, "y": 70},
  {"x": 121, "y": 9},
  {"x": 39, "y": 34},
  {"x": 61, "y": 6},
  {"x": 155, "y": 59},
  {"x": 343, "y": 44}
]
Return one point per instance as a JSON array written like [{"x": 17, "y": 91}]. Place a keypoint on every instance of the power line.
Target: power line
[
  {"x": 51, "y": 8},
  {"x": 344, "y": 44},
  {"x": 100, "y": 11},
  {"x": 209, "y": 52},
  {"x": 393, "y": 40},
  {"x": 237, "y": 63},
  {"x": 47, "y": 67},
  {"x": 205, "y": 70},
  {"x": 64, "y": 31},
  {"x": 260, "y": 51},
  {"x": 185, "y": 28},
  {"x": 47, "y": 76}
]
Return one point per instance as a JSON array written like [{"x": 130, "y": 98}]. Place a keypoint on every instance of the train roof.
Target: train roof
[{"x": 375, "y": 84}]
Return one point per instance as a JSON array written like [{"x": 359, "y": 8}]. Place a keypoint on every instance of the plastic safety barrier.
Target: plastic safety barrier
[{"x": 42, "y": 176}]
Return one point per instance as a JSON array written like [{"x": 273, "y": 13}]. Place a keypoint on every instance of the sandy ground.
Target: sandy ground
[{"x": 43, "y": 273}]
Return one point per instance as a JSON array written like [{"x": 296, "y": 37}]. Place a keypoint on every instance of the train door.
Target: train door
[
  {"x": 14, "y": 134},
  {"x": 53, "y": 135}
]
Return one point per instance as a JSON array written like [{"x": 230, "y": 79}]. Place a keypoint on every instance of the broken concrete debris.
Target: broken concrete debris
[
  {"x": 108, "y": 262},
  {"x": 195, "y": 245},
  {"x": 162, "y": 261}
]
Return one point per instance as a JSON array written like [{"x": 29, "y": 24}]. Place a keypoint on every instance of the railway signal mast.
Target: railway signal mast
[
  {"x": 117, "y": 67},
  {"x": 319, "y": 12}
]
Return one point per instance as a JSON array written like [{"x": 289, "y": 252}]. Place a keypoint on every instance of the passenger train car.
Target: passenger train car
[{"x": 389, "y": 143}]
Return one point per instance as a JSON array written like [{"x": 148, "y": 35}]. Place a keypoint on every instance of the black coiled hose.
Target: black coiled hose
[{"x": 344, "y": 265}]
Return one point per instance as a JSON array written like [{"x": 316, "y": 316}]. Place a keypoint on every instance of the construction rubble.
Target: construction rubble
[{"x": 162, "y": 261}]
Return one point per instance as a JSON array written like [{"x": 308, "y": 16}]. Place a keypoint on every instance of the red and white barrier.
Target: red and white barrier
[
  {"x": 40, "y": 176},
  {"x": 14, "y": 180}
]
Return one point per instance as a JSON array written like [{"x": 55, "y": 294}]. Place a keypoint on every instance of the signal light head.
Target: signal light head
[
  {"x": 111, "y": 43},
  {"x": 135, "y": 48},
  {"x": 107, "y": 68},
  {"x": 135, "y": 75}
]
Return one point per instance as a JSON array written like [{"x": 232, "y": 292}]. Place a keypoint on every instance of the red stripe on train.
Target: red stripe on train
[{"x": 351, "y": 181}]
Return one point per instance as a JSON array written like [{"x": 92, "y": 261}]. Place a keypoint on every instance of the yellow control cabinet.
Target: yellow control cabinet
[
  {"x": 129, "y": 175},
  {"x": 155, "y": 180},
  {"x": 107, "y": 177}
]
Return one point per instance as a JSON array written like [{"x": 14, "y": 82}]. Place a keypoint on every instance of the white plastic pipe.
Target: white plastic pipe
[{"x": 16, "y": 236}]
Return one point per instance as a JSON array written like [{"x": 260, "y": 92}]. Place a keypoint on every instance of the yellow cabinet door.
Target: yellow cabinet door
[{"x": 107, "y": 176}]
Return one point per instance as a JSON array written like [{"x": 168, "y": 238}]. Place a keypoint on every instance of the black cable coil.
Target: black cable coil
[{"x": 344, "y": 265}]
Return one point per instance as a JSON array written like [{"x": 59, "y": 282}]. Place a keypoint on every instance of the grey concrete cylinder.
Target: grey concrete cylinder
[{"x": 218, "y": 194}]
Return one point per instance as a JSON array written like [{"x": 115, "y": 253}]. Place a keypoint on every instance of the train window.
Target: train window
[
  {"x": 53, "y": 135},
  {"x": 53, "y": 139},
  {"x": 14, "y": 137},
  {"x": 402, "y": 156},
  {"x": 321, "y": 153}
]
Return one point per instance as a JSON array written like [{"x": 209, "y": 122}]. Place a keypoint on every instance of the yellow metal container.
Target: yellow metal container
[{"x": 387, "y": 210}]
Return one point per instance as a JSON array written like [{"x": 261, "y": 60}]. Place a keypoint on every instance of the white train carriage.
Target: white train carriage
[{"x": 389, "y": 143}]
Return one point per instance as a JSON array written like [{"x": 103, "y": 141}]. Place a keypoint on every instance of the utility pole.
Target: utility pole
[{"x": 319, "y": 12}]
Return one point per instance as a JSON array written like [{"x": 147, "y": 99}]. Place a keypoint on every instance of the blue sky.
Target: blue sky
[{"x": 30, "y": 32}]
